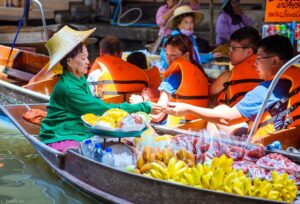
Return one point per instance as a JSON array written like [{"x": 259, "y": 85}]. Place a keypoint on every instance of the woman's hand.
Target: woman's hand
[
  {"x": 178, "y": 109},
  {"x": 133, "y": 99},
  {"x": 217, "y": 54}
]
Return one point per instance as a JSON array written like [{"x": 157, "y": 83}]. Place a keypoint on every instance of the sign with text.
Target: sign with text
[{"x": 282, "y": 11}]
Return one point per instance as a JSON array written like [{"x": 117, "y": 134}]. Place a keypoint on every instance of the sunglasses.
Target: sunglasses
[{"x": 176, "y": 40}]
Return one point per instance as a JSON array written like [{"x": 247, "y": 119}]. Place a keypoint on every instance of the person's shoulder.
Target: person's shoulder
[{"x": 162, "y": 8}]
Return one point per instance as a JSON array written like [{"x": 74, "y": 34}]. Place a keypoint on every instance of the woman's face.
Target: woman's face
[
  {"x": 171, "y": 3},
  {"x": 172, "y": 53},
  {"x": 80, "y": 63},
  {"x": 187, "y": 23},
  {"x": 265, "y": 65},
  {"x": 234, "y": 3}
]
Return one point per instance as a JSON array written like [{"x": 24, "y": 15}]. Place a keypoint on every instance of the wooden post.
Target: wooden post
[
  {"x": 25, "y": 23},
  {"x": 211, "y": 24}
]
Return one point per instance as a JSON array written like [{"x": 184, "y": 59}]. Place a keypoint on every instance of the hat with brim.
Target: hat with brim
[
  {"x": 198, "y": 16},
  {"x": 63, "y": 42}
]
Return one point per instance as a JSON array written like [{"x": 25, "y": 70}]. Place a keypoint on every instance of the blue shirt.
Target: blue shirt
[
  {"x": 171, "y": 83},
  {"x": 251, "y": 103}
]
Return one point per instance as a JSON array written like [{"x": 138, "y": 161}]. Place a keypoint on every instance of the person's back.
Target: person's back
[
  {"x": 111, "y": 75},
  {"x": 232, "y": 85},
  {"x": 139, "y": 59}
]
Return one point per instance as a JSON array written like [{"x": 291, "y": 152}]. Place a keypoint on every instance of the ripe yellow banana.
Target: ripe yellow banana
[
  {"x": 206, "y": 178},
  {"x": 179, "y": 164},
  {"x": 178, "y": 173},
  {"x": 189, "y": 178},
  {"x": 196, "y": 175},
  {"x": 171, "y": 165},
  {"x": 155, "y": 174}
]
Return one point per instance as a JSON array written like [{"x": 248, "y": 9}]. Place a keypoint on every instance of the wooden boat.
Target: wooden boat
[
  {"x": 113, "y": 185},
  {"x": 17, "y": 71}
]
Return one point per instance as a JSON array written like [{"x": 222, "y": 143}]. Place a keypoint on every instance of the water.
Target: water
[{"x": 26, "y": 177}]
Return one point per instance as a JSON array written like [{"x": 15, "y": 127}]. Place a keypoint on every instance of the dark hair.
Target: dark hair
[
  {"x": 111, "y": 44},
  {"x": 138, "y": 58},
  {"x": 235, "y": 19},
  {"x": 78, "y": 49},
  {"x": 178, "y": 19},
  {"x": 248, "y": 34},
  {"x": 277, "y": 45},
  {"x": 184, "y": 44}
]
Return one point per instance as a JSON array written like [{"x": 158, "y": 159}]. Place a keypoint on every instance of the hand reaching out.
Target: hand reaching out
[
  {"x": 178, "y": 109},
  {"x": 156, "y": 109}
]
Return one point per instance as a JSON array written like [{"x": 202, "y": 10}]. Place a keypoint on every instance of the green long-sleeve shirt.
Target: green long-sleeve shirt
[{"x": 70, "y": 99}]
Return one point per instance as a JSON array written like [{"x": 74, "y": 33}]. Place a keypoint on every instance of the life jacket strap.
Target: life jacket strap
[
  {"x": 234, "y": 98},
  {"x": 189, "y": 97},
  {"x": 241, "y": 81},
  {"x": 118, "y": 82},
  {"x": 286, "y": 112}
]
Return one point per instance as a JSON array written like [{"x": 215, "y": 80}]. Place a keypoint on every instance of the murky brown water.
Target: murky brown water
[{"x": 26, "y": 177}]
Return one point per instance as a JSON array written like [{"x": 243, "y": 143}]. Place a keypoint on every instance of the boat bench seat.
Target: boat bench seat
[{"x": 19, "y": 75}]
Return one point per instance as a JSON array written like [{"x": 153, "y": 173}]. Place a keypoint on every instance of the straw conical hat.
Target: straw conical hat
[
  {"x": 63, "y": 42},
  {"x": 198, "y": 16}
]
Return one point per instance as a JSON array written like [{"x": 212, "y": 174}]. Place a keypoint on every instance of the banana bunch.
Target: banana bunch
[
  {"x": 172, "y": 172},
  {"x": 280, "y": 188},
  {"x": 116, "y": 114},
  {"x": 221, "y": 176},
  {"x": 150, "y": 155}
]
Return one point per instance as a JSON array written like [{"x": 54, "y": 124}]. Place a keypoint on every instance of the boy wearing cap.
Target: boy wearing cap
[{"x": 230, "y": 19}]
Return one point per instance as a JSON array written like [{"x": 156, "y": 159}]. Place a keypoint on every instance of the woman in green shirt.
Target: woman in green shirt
[{"x": 63, "y": 128}]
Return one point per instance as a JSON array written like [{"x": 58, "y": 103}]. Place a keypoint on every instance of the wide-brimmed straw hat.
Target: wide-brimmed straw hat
[
  {"x": 63, "y": 42},
  {"x": 198, "y": 16}
]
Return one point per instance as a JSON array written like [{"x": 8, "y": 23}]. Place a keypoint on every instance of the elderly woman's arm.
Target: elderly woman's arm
[{"x": 81, "y": 103}]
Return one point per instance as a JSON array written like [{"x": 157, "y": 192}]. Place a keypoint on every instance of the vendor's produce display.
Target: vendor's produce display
[
  {"x": 224, "y": 164},
  {"x": 217, "y": 165}
]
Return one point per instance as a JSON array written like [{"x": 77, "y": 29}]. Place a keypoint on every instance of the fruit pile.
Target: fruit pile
[
  {"x": 219, "y": 175},
  {"x": 116, "y": 119}
]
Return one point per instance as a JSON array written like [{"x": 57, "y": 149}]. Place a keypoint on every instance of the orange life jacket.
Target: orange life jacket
[
  {"x": 244, "y": 78},
  {"x": 119, "y": 77},
  {"x": 292, "y": 113},
  {"x": 193, "y": 88},
  {"x": 154, "y": 77}
]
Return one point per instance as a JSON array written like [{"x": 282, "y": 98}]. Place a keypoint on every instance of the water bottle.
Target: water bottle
[
  {"x": 274, "y": 145},
  {"x": 108, "y": 158},
  {"x": 88, "y": 149},
  {"x": 98, "y": 153}
]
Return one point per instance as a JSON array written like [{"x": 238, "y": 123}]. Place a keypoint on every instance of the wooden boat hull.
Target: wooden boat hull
[
  {"x": 13, "y": 94},
  {"x": 109, "y": 184}
]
